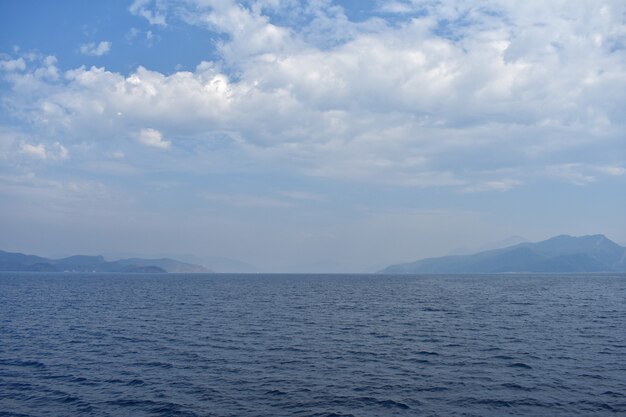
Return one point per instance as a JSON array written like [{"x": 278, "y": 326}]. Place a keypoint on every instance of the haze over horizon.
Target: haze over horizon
[{"x": 288, "y": 133}]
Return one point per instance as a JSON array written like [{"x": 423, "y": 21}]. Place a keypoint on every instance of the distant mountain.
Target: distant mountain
[
  {"x": 169, "y": 265},
  {"x": 80, "y": 263},
  {"x": 209, "y": 263},
  {"x": 228, "y": 265},
  {"x": 18, "y": 261},
  {"x": 594, "y": 253}
]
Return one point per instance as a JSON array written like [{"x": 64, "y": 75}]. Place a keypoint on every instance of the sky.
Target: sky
[{"x": 320, "y": 135}]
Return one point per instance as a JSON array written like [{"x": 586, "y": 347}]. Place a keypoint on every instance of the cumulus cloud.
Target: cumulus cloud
[
  {"x": 153, "y": 15},
  {"x": 94, "y": 49},
  {"x": 154, "y": 138},
  {"x": 444, "y": 95},
  {"x": 13, "y": 64},
  {"x": 36, "y": 151},
  {"x": 148, "y": 36},
  {"x": 56, "y": 151}
]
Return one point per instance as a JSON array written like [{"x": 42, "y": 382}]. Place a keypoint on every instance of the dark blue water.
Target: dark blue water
[{"x": 297, "y": 345}]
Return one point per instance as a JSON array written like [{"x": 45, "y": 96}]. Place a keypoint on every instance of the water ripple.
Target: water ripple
[{"x": 297, "y": 345}]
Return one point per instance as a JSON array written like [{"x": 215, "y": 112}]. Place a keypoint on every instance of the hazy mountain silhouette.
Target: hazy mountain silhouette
[
  {"x": 216, "y": 264},
  {"x": 81, "y": 263},
  {"x": 594, "y": 253}
]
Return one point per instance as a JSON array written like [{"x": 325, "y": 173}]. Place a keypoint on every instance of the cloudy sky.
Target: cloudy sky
[{"x": 290, "y": 134}]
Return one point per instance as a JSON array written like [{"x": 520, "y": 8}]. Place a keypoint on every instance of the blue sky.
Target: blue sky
[{"x": 295, "y": 135}]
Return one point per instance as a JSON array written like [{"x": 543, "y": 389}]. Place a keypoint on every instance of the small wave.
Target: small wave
[
  {"x": 614, "y": 394},
  {"x": 275, "y": 392},
  {"x": 416, "y": 360},
  {"x": 171, "y": 409},
  {"x": 591, "y": 376},
  {"x": 158, "y": 408},
  {"x": 514, "y": 386},
  {"x": 287, "y": 349},
  {"x": 162, "y": 365},
  {"x": 520, "y": 365},
  {"x": 392, "y": 403},
  {"x": 69, "y": 399},
  {"x": 29, "y": 364},
  {"x": 18, "y": 386},
  {"x": 10, "y": 414},
  {"x": 497, "y": 403},
  {"x": 384, "y": 403},
  {"x": 114, "y": 381},
  {"x": 135, "y": 382},
  {"x": 125, "y": 402},
  {"x": 592, "y": 405},
  {"x": 433, "y": 389}
]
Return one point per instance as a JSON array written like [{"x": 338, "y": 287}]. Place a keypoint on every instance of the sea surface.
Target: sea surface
[{"x": 312, "y": 345}]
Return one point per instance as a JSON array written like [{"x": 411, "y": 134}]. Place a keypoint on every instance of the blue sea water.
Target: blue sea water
[{"x": 312, "y": 345}]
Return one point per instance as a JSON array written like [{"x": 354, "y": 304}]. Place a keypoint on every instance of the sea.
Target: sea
[{"x": 312, "y": 345}]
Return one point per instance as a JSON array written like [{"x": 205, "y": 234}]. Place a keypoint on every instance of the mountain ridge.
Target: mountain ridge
[
  {"x": 562, "y": 253},
  {"x": 19, "y": 262}
]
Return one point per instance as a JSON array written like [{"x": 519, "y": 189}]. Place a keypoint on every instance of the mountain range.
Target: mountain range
[
  {"x": 592, "y": 253},
  {"x": 10, "y": 261},
  {"x": 564, "y": 253},
  {"x": 217, "y": 264}
]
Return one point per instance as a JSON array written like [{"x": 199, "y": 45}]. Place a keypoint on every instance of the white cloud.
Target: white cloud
[
  {"x": 10, "y": 65},
  {"x": 154, "y": 138},
  {"x": 94, "y": 49},
  {"x": 583, "y": 174},
  {"x": 35, "y": 151},
  {"x": 148, "y": 36},
  {"x": 416, "y": 102},
  {"x": 612, "y": 170},
  {"x": 141, "y": 8},
  {"x": 132, "y": 34},
  {"x": 56, "y": 151},
  {"x": 60, "y": 151},
  {"x": 495, "y": 185},
  {"x": 575, "y": 173},
  {"x": 396, "y": 7}
]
